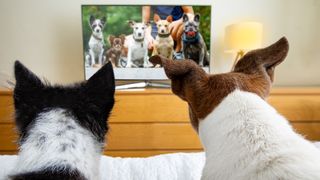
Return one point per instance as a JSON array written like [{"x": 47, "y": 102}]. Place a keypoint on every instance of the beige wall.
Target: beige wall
[{"x": 46, "y": 35}]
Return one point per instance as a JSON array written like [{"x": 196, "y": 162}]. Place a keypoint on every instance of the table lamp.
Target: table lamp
[{"x": 242, "y": 37}]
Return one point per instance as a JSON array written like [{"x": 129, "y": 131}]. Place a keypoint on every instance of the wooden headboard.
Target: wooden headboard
[{"x": 154, "y": 121}]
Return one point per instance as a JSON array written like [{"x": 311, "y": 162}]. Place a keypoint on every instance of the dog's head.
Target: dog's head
[
  {"x": 90, "y": 102},
  {"x": 97, "y": 25},
  {"x": 191, "y": 24},
  {"x": 117, "y": 42},
  {"x": 253, "y": 73},
  {"x": 139, "y": 29},
  {"x": 162, "y": 25}
]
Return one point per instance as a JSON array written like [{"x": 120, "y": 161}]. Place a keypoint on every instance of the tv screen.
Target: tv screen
[{"x": 127, "y": 35}]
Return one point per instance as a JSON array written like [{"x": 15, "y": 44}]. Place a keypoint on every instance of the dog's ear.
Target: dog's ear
[
  {"x": 102, "y": 84},
  {"x": 185, "y": 75},
  {"x": 197, "y": 17},
  {"x": 103, "y": 20},
  {"x": 131, "y": 23},
  {"x": 264, "y": 60},
  {"x": 25, "y": 79},
  {"x": 185, "y": 18},
  {"x": 28, "y": 92},
  {"x": 123, "y": 38},
  {"x": 156, "y": 18},
  {"x": 91, "y": 19},
  {"x": 174, "y": 68},
  {"x": 169, "y": 19},
  {"x": 110, "y": 39},
  {"x": 147, "y": 24}
]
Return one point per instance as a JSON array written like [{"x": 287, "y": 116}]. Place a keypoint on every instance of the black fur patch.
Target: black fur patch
[
  {"x": 48, "y": 174},
  {"x": 89, "y": 102}
]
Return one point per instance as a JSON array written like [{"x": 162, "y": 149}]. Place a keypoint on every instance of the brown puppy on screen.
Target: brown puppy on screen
[{"x": 117, "y": 47}]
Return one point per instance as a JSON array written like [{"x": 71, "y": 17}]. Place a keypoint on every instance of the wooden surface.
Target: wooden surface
[{"x": 154, "y": 121}]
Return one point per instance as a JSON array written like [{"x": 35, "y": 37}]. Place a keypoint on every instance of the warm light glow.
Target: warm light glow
[{"x": 243, "y": 36}]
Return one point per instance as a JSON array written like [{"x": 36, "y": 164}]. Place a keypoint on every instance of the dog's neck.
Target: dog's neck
[
  {"x": 98, "y": 37},
  {"x": 141, "y": 41},
  {"x": 164, "y": 35},
  {"x": 194, "y": 39},
  {"x": 138, "y": 40},
  {"x": 238, "y": 110},
  {"x": 56, "y": 143}
]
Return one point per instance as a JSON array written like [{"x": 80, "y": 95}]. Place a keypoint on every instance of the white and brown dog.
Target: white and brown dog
[
  {"x": 96, "y": 42},
  {"x": 244, "y": 138},
  {"x": 163, "y": 44}
]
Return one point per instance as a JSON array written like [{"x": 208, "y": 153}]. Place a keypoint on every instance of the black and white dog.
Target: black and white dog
[
  {"x": 61, "y": 128},
  {"x": 194, "y": 47},
  {"x": 96, "y": 42}
]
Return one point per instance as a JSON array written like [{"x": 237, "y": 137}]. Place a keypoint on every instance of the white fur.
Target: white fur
[
  {"x": 246, "y": 139},
  {"x": 85, "y": 156},
  {"x": 96, "y": 49},
  {"x": 96, "y": 45},
  {"x": 137, "y": 49}
]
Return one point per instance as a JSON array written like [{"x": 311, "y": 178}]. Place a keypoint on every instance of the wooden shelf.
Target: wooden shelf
[{"x": 154, "y": 121}]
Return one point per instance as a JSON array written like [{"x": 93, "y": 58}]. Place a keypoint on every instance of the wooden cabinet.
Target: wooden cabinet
[{"x": 154, "y": 121}]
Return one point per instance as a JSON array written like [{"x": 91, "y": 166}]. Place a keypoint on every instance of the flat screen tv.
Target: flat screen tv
[{"x": 127, "y": 35}]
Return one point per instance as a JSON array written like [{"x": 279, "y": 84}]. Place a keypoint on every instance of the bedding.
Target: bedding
[{"x": 175, "y": 166}]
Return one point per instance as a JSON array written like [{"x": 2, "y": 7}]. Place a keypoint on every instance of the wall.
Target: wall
[{"x": 46, "y": 35}]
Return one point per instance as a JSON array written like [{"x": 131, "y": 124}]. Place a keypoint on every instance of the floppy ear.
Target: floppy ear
[
  {"x": 123, "y": 38},
  {"x": 91, "y": 19},
  {"x": 156, "y": 18},
  {"x": 110, "y": 40},
  {"x": 131, "y": 23},
  {"x": 147, "y": 24},
  {"x": 185, "y": 18},
  {"x": 101, "y": 85},
  {"x": 264, "y": 60},
  {"x": 169, "y": 19}
]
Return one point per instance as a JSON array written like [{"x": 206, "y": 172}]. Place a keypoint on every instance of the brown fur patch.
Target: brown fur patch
[
  {"x": 117, "y": 47},
  {"x": 253, "y": 73}
]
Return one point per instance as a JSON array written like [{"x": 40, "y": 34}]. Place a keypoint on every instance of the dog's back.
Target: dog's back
[
  {"x": 61, "y": 129},
  {"x": 244, "y": 138}
]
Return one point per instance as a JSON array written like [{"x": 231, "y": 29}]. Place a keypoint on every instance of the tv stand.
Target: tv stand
[{"x": 144, "y": 84}]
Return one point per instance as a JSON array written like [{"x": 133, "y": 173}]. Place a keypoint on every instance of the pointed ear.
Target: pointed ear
[
  {"x": 103, "y": 20},
  {"x": 184, "y": 74},
  {"x": 264, "y": 60},
  {"x": 123, "y": 38},
  {"x": 102, "y": 84},
  {"x": 197, "y": 18},
  {"x": 176, "y": 68},
  {"x": 25, "y": 79},
  {"x": 131, "y": 23},
  {"x": 110, "y": 39},
  {"x": 156, "y": 18},
  {"x": 169, "y": 19},
  {"x": 185, "y": 18},
  {"x": 91, "y": 19}
]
